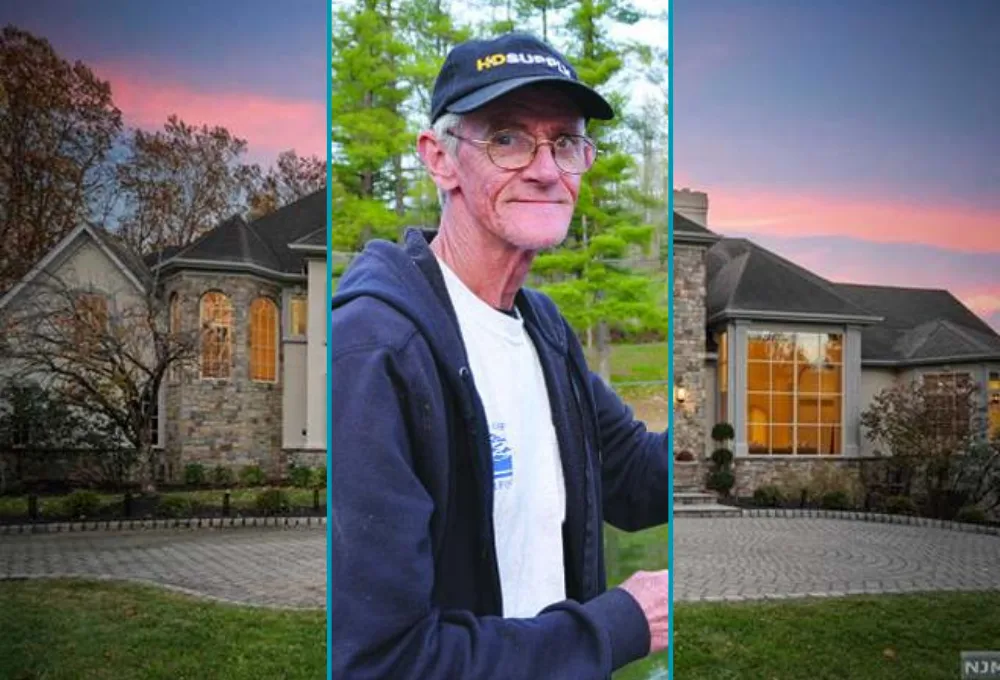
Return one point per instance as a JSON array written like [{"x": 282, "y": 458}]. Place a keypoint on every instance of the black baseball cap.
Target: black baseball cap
[{"x": 478, "y": 71}]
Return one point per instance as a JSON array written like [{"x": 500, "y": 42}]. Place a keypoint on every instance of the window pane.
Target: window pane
[
  {"x": 758, "y": 437},
  {"x": 832, "y": 380},
  {"x": 830, "y": 440},
  {"x": 263, "y": 329},
  {"x": 781, "y": 438},
  {"x": 758, "y": 407},
  {"x": 783, "y": 347},
  {"x": 782, "y": 408},
  {"x": 758, "y": 347},
  {"x": 808, "y": 408},
  {"x": 758, "y": 376},
  {"x": 807, "y": 348},
  {"x": 299, "y": 318},
  {"x": 832, "y": 348},
  {"x": 807, "y": 439},
  {"x": 783, "y": 377},
  {"x": 830, "y": 409}
]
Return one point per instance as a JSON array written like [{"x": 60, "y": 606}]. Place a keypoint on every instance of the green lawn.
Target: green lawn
[
  {"x": 73, "y": 630},
  {"x": 69, "y": 630},
  {"x": 638, "y": 362}
]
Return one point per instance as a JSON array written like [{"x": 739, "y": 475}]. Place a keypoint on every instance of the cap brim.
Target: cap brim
[{"x": 591, "y": 104}]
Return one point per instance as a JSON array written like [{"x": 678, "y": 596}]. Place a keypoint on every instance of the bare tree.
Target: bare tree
[
  {"x": 290, "y": 179},
  {"x": 106, "y": 352}
]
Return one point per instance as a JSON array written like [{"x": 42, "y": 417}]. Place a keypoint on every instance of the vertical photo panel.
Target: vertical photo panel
[{"x": 500, "y": 388}]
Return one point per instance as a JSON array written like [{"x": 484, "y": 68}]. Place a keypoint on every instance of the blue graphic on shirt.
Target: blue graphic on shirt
[{"x": 503, "y": 461}]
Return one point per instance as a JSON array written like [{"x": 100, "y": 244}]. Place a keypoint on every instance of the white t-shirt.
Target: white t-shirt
[{"x": 529, "y": 493}]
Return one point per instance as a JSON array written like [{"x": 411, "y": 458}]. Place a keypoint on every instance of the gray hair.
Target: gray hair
[{"x": 440, "y": 128}]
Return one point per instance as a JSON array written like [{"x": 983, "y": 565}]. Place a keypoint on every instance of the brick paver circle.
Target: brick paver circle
[{"x": 716, "y": 559}]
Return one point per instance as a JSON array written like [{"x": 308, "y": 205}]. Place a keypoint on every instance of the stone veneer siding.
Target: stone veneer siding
[
  {"x": 688, "y": 326},
  {"x": 752, "y": 473},
  {"x": 232, "y": 422}
]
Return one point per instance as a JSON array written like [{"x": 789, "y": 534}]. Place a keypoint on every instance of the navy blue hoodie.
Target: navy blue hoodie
[{"x": 415, "y": 584}]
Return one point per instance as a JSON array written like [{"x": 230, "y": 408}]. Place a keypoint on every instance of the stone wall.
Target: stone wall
[
  {"x": 688, "y": 326},
  {"x": 789, "y": 473},
  {"x": 231, "y": 422}
]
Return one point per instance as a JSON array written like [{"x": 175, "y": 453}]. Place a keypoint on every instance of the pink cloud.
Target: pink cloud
[
  {"x": 269, "y": 124},
  {"x": 777, "y": 213}
]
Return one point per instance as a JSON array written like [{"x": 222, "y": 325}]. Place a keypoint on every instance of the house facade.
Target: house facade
[
  {"x": 791, "y": 360},
  {"x": 256, "y": 392}
]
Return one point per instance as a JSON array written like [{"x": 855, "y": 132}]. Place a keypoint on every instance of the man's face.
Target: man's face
[{"x": 529, "y": 208}]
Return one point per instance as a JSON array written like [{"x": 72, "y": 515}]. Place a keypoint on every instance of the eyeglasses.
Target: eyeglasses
[{"x": 515, "y": 149}]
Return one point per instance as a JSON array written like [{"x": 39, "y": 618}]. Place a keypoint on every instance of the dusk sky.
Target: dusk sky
[
  {"x": 858, "y": 139},
  {"x": 254, "y": 66}
]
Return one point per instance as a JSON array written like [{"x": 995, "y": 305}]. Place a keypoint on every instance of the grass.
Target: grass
[
  {"x": 240, "y": 500},
  {"x": 94, "y": 631},
  {"x": 69, "y": 630},
  {"x": 634, "y": 362}
]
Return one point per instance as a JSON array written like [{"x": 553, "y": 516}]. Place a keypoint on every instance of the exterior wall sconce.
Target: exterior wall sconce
[{"x": 680, "y": 394}]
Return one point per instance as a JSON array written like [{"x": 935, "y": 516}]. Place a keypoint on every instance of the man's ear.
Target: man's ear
[{"x": 439, "y": 163}]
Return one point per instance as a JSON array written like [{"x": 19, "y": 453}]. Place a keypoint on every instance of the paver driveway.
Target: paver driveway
[{"x": 716, "y": 558}]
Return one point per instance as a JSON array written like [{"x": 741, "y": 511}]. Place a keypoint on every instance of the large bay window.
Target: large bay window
[
  {"x": 949, "y": 404},
  {"x": 795, "y": 393}
]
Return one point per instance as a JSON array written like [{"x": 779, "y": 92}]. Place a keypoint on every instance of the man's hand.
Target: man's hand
[{"x": 651, "y": 589}]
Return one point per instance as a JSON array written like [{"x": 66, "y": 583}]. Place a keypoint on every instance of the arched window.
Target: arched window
[
  {"x": 217, "y": 335},
  {"x": 263, "y": 340},
  {"x": 174, "y": 315}
]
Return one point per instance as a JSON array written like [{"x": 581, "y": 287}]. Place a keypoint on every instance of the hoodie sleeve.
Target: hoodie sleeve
[
  {"x": 383, "y": 621},
  {"x": 636, "y": 464}
]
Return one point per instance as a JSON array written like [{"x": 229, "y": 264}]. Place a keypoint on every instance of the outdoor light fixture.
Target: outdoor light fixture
[{"x": 680, "y": 394}]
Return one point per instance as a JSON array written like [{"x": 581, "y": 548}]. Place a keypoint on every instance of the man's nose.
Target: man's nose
[{"x": 543, "y": 167}]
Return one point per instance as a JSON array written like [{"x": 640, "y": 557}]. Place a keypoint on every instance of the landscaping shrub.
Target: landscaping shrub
[
  {"x": 174, "y": 506},
  {"x": 222, "y": 476},
  {"x": 272, "y": 501},
  {"x": 194, "y": 474},
  {"x": 684, "y": 456},
  {"x": 835, "y": 500},
  {"x": 319, "y": 477},
  {"x": 721, "y": 481},
  {"x": 723, "y": 432},
  {"x": 252, "y": 475},
  {"x": 970, "y": 513},
  {"x": 900, "y": 505},
  {"x": 722, "y": 457},
  {"x": 768, "y": 496},
  {"x": 81, "y": 504},
  {"x": 300, "y": 476}
]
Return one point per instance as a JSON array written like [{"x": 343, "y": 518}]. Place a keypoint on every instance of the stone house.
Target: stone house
[
  {"x": 791, "y": 359},
  {"x": 257, "y": 394}
]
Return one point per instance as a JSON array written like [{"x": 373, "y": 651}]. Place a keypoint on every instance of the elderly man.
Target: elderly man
[{"x": 474, "y": 456}]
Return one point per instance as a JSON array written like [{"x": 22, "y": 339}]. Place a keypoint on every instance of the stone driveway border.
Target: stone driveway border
[
  {"x": 871, "y": 517},
  {"x": 149, "y": 524}
]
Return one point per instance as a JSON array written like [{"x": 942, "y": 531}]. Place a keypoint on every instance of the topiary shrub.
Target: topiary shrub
[
  {"x": 222, "y": 476},
  {"x": 272, "y": 501},
  {"x": 300, "y": 476},
  {"x": 768, "y": 496},
  {"x": 721, "y": 481},
  {"x": 835, "y": 500},
  {"x": 723, "y": 458},
  {"x": 971, "y": 514},
  {"x": 722, "y": 432},
  {"x": 194, "y": 474},
  {"x": 81, "y": 504},
  {"x": 900, "y": 505},
  {"x": 252, "y": 475}
]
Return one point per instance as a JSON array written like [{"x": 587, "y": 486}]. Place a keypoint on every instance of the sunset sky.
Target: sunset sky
[
  {"x": 858, "y": 139},
  {"x": 254, "y": 66}
]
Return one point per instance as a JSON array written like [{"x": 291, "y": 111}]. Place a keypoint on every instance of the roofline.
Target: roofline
[
  {"x": 913, "y": 363},
  {"x": 222, "y": 265},
  {"x": 695, "y": 237},
  {"x": 768, "y": 315},
  {"x": 56, "y": 250},
  {"x": 307, "y": 248}
]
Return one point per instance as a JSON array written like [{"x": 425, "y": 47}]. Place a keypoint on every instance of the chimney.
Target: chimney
[{"x": 692, "y": 205}]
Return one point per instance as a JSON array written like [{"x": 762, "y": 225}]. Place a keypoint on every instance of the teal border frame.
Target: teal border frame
[
  {"x": 329, "y": 330},
  {"x": 671, "y": 110}
]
